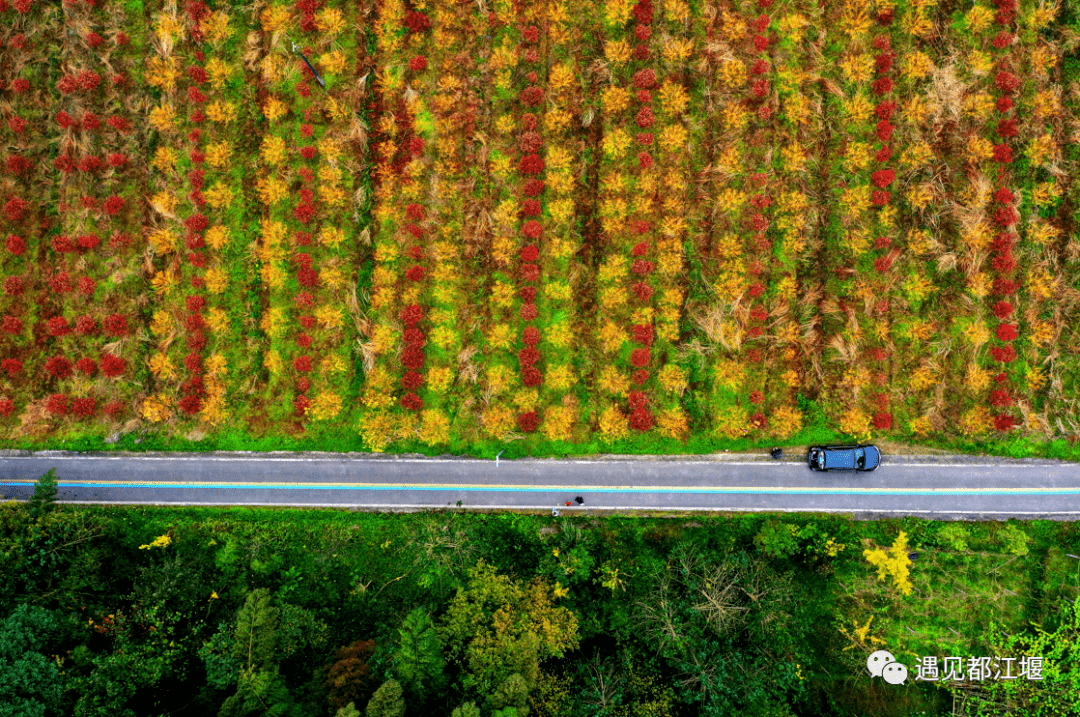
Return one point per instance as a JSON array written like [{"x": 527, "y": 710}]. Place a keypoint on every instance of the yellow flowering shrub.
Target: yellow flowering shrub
[
  {"x": 219, "y": 196},
  {"x": 217, "y": 319},
  {"x": 274, "y": 150},
  {"x": 325, "y": 405},
  {"x": 674, "y": 138},
  {"x": 221, "y": 112},
  {"x": 894, "y": 563},
  {"x": 558, "y": 423},
  {"x": 217, "y": 237},
  {"x": 786, "y": 421},
  {"x": 163, "y": 241},
  {"x": 672, "y": 423},
  {"x": 560, "y": 377},
  {"x": 378, "y": 429},
  {"x": 561, "y": 335},
  {"x": 976, "y": 422},
  {"x": 156, "y": 408},
  {"x": 673, "y": 378},
  {"x": 613, "y": 424},
  {"x": 162, "y": 72},
  {"x": 217, "y": 31},
  {"x": 275, "y": 18},
  {"x": 500, "y": 378},
  {"x": 162, "y": 366},
  {"x": 162, "y": 117},
  {"x": 330, "y": 21},
  {"x": 498, "y": 420},
  {"x": 731, "y": 422},
  {"x": 856, "y": 422},
  {"x": 333, "y": 62},
  {"x": 218, "y": 154},
  {"x": 216, "y": 280},
  {"x": 271, "y": 190},
  {"x": 439, "y": 378}
]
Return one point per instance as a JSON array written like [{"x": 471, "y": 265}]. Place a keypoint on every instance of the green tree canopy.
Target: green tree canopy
[
  {"x": 513, "y": 694},
  {"x": 260, "y": 689},
  {"x": 388, "y": 701},
  {"x": 44, "y": 498},
  {"x": 348, "y": 710},
  {"x": 497, "y": 626},
  {"x": 418, "y": 662},
  {"x": 30, "y": 683}
]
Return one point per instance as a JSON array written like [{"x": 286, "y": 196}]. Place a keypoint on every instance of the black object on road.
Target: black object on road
[
  {"x": 579, "y": 500},
  {"x": 777, "y": 453}
]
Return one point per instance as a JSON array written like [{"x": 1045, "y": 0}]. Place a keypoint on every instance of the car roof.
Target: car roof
[{"x": 840, "y": 457}]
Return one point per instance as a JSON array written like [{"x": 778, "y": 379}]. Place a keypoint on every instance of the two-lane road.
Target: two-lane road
[{"x": 959, "y": 486}]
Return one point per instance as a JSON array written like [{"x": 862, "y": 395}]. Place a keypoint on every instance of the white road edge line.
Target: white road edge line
[{"x": 581, "y": 510}]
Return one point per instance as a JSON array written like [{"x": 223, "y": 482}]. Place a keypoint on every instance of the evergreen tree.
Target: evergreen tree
[
  {"x": 260, "y": 689},
  {"x": 418, "y": 662},
  {"x": 44, "y": 499}
]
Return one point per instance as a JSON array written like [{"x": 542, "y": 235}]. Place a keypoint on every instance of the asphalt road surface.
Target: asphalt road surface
[{"x": 941, "y": 487}]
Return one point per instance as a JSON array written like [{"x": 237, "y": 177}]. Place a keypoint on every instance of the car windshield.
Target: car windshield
[{"x": 860, "y": 458}]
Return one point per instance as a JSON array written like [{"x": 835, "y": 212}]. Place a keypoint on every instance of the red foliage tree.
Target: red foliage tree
[
  {"x": 528, "y": 422},
  {"x": 85, "y": 325},
  {"x": 58, "y": 326},
  {"x": 57, "y": 404},
  {"x": 83, "y": 407},
  {"x": 883, "y": 177},
  {"x": 641, "y": 419},
  {"x": 531, "y": 376},
  {"x": 12, "y": 325},
  {"x": 116, "y": 325},
  {"x": 1006, "y": 332},
  {"x": 14, "y": 285},
  {"x": 112, "y": 366},
  {"x": 11, "y": 366}
]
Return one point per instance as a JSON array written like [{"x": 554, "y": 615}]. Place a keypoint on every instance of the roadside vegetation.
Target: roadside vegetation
[{"x": 132, "y": 612}]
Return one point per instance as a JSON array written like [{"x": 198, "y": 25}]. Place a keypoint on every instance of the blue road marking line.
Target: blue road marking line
[{"x": 560, "y": 489}]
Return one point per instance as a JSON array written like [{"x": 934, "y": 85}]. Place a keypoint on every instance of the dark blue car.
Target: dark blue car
[{"x": 843, "y": 458}]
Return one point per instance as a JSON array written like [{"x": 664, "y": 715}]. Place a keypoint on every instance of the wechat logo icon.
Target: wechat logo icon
[{"x": 883, "y": 664}]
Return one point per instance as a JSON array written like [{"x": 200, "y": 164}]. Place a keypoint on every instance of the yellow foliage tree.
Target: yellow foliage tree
[
  {"x": 894, "y": 563},
  {"x": 497, "y": 626}
]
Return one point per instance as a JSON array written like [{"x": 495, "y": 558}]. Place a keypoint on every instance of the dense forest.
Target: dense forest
[{"x": 143, "y": 611}]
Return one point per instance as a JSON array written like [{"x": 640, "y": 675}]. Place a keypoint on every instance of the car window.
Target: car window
[{"x": 860, "y": 458}]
